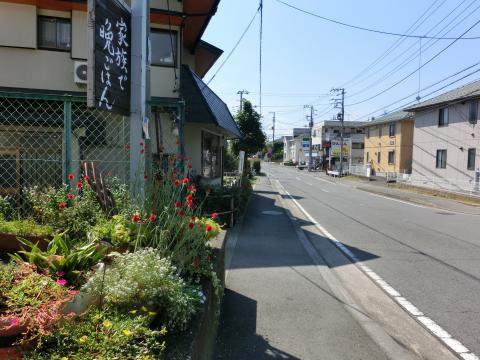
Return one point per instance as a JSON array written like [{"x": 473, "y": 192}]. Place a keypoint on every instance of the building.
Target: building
[
  {"x": 446, "y": 140},
  {"x": 287, "y": 155},
  {"x": 389, "y": 143},
  {"x": 325, "y": 131},
  {"x": 46, "y": 128}
]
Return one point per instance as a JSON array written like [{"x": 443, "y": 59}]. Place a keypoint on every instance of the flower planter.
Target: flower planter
[{"x": 11, "y": 242}]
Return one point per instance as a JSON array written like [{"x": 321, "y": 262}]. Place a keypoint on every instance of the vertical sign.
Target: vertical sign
[{"x": 112, "y": 54}]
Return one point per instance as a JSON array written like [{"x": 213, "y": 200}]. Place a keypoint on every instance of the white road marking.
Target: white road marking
[
  {"x": 309, "y": 184},
  {"x": 454, "y": 345},
  {"x": 296, "y": 177},
  {"x": 325, "y": 190}
]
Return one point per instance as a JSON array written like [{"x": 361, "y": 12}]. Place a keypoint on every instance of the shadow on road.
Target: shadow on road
[{"x": 237, "y": 338}]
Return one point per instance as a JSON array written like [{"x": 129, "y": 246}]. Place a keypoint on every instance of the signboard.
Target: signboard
[
  {"x": 306, "y": 144},
  {"x": 112, "y": 54},
  {"x": 241, "y": 161},
  {"x": 335, "y": 148}
]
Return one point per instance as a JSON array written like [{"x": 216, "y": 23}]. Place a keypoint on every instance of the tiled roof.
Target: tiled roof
[
  {"x": 467, "y": 91},
  {"x": 394, "y": 116},
  {"x": 202, "y": 105}
]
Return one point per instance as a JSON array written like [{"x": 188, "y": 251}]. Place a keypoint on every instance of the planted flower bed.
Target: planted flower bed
[{"x": 98, "y": 286}]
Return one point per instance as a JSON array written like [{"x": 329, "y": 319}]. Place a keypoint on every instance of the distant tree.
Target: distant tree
[{"x": 253, "y": 139}]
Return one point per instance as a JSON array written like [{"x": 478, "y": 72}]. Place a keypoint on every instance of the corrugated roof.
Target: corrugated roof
[
  {"x": 202, "y": 105},
  {"x": 467, "y": 91},
  {"x": 394, "y": 116}
]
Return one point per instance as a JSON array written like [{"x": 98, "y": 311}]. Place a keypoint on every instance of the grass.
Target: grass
[{"x": 25, "y": 227}]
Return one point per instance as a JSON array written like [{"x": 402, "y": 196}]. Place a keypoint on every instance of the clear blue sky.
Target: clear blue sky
[{"x": 304, "y": 57}]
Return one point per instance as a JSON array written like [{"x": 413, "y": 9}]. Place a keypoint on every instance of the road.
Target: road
[{"x": 431, "y": 257}]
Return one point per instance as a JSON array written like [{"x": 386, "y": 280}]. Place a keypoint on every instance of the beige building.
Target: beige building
[
  {"x": 446, "y": 143},
  {"x": 46, "y": 129},
  {"x": 389, "y": 143}
]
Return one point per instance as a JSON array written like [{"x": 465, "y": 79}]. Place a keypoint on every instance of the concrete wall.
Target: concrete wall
[
  {"x": 18, "y": 25},
  {"x": 458, "y": 134}
]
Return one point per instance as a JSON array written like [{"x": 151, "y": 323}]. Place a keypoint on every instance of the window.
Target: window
[
  {"x": 368, "y": 157},
  {"x": 378, "y": 157},
  {"x": 391, "y": 130},
  {"x": 356, "y": 145},
  {"x": 164, "y": 47},
  {"x": 359, "y": 131},
  {"x": 54, "y": 33},
  {"x": 379, "y": 131},
  {"x": 368, "y": 133},
  {"x": 443, "y": 117},
  {"x": 441, "y": 159},
  {"x": 473, "y": 112},
  {"x": 471, "y": 159},
  {"x": 211, "y": 155},
  {"x": 391, "y": 157},
  {"x": 336, "y": 131}
]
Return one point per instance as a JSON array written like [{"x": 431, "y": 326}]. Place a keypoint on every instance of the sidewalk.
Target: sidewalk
[
  {"x": 276, "y": 304},
  {"x": 381, "y": 188}
]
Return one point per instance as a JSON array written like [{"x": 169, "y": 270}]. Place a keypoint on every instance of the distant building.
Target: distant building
[
  {"x": 287, "y": 156},
  {"x": 389, "y": 143},
  {"x": 446, "y": 141}
]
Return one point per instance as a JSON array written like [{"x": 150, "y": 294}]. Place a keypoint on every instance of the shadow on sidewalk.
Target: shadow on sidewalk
[{"x": 237, "y": 338}]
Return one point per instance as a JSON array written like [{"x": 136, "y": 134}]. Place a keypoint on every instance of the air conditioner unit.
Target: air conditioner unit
[{"x": 80, "y": 72}]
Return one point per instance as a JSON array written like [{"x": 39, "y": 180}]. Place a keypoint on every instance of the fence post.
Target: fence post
[
  {"x": 232, "y": 209},
  {"x": 67, "y": 138}
]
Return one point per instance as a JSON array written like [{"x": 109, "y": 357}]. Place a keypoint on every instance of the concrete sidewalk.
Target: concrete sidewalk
[{"x": 277, "y": 304}]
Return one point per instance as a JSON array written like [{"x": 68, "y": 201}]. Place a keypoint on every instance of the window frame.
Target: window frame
[
  {"x": 57, "y": 20},
  {"x": 443, "y": 114},
  {"x": 368, "y": 157},
  {"x": 473, "y": 112},
  {"x": 379, "y": 157},
  {"x": 390, "y": 132},
  {"x": 176, "y": 52},
  {"x": 392, "y": 152},
  {"x": 219, "y": 155},
  {"x": 440, "y": 161},
  {"x": 471, "y": 165}
]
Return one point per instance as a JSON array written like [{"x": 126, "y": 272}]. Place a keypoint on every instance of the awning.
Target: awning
[{"x": 202, "y": 105}]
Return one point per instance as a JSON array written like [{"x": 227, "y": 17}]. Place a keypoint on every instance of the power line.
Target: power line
[
  {"x": 420, "y": 67},
  {"x": 235, "y": 47},
  {"x": 368, "y": 29}
]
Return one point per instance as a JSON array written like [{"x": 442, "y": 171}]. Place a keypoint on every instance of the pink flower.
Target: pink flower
[
  {"x": 186, "y": 181},
  {"x": 72, "y": 292},
  {"x": 86, "y": 178},
  {"x": 61, "y": 206},
  {"x": 79, "y": 185},
  {"x": 62, "y": 282},
  {"x": 177, "y": 182},
  {"x": 178, "y": 204},
  {"x": 136, "y": 218},
  {"x": 152, "y": 217},
  {"x": 215, "y": 215},
  {"x": 71, "y": 196},
  {"x": 60, "y": 273},
  {"x": 71, "y": 176},
  {"x": 14, "y": 322}
]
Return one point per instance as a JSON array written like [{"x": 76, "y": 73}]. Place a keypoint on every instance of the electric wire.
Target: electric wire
[{"x": 368, "y": 29}]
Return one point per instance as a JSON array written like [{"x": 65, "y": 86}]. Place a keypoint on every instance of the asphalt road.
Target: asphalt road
[{"x": 432, "y": 257}]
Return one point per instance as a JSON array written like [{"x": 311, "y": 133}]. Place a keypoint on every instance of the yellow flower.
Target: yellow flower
[
  {"x": 127, "y": 332},
  {"x": 83, "y": 339},
  {"x": 163, "y": 346},
  {"x": 133, "y": 312},
  {"x": 64, "y": 358},
  {"x": 152, "y": 313},
  {"x": 144, "y": 308},
  {"x": 98, "y": 317},
  {"x": 146, "y": 357},
  {"x": 107, "y": 324},
  {"x": 163, "y": 331}
]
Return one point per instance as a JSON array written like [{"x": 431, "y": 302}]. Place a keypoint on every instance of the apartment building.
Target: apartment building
[{"x": 389, "y": 143}]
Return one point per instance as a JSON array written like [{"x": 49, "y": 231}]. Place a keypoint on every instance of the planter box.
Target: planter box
[{"x": 11, "y": 243}]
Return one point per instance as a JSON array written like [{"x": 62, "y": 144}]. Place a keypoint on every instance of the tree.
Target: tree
[{"x": 253, "y": 139}]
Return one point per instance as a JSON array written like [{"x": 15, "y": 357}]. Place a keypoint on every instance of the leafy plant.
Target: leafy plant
[
  {"x": 6, "y": 208},
  {"x": 256, "y": 166},
  {"x": 143, "y": 278},
  {"x": 25, "y": 227},
  {"x": 118, "y": 231},
  {"x": 104, "y": 334}
]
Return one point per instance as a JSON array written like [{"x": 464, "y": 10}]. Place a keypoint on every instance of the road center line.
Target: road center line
[{"x": 436, "y": 330}]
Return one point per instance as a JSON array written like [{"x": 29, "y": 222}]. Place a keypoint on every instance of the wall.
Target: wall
[
  {"x": 428, "y": 138},
  {"x": 18, "y": 25},
  {"x": 406, "y": 145}
]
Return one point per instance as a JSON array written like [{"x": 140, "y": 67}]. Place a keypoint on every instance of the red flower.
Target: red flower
[
  {"x": 187, "y": 158},
  {"x": 71, "y": 196},
  {"x": 72, "y": 292},
  {"x": 62, "y": 282},
  {"x": 186, "y": 181},
  {"x": 136, "y": 218},
  {"x": 142, "y": 151},
  {"x": 61, "y": 206},
  {"x": 79, "y": 185},
  {"x": 194, "y": 218},
  {"x": 177, "y": 182},
  {"x": 145, "y": 178},
  {"x": 194, "y": 189},
  {"x": 189, "y": 204},
  {"x": 152, "y": 217},
  {"x": 71, "y": 176},
  {"x": 181, "y": 213},
  {"x": 86, "y": 178},
  {"x": 177, "y": 141},
  {"x": 177, "y": 204},
  {"x": 209, "y": 228},
  {"x": 142, "y": 144},
  {"x": 215, "y": 215},
  {"x": 179, "y": 157},
  {"x": 60, "y": 273},
  {"x": 189, "y": 166},
  {"x": 189, "y": 197},
  {"x": 191, "y": 225}
]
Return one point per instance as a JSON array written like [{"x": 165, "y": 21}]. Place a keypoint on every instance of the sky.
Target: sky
[{"x": 304, "y": 57}]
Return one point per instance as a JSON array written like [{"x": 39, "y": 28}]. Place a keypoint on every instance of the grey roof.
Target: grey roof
[
  {"x": 391, "y": 117},
  {"x": 338, "y": 123},
  {"x": 202, "y": 105},
  {"x": 468, "y": 91}
]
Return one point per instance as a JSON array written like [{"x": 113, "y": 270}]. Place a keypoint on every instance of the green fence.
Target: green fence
[{"x": 43, "y": 138}]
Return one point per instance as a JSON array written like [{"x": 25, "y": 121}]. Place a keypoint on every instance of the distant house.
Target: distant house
[
  {"x": 389, "y": 143},
  {"x": 446, "y": 141},
  {"x": 287, "y": 155}
]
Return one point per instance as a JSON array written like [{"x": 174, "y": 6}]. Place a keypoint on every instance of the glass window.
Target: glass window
[
  {"x": 54, "y": 33},
  {"x": 441, "y": 159},
  {"x": 443, "y": 117},
  {"x": 211, "y": 155},
  {"x": 391, "y": 157},
  {"x": 368, "y": 157},
  {"x": 391, "y": 130},
  {"x": 473, "y": 112},
  {"x": 471, "y": 159},
  {"x": 164, "y": 47},
  {"x": 378, "y": 158}
]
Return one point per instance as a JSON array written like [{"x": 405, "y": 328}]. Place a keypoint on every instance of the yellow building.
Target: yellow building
[{"x": 389, "y": 143}]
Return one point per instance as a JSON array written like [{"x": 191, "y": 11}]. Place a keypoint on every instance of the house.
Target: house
[
  {"x": 389, "y": 143},
  {"x": 287, "y": 155},
  {"x": 324, "y": 132},
  {"x": 446, "y": 140},
  {"x": 46, "y": 128}
]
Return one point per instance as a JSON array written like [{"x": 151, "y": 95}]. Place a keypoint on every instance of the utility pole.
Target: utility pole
[
  {"x": 273, "y": 127},
  {"x": 241, "y": 92},
  {"x": 310, "y": 125},
  {"x": 341, "y": 102}
]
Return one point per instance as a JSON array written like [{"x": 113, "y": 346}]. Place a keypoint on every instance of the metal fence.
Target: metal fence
[
  {"x": 43, "y": 138},
  {"x": 463, "y": 187}
]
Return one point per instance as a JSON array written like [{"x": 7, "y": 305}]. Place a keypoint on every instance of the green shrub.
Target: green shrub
[
  {"x": 6, "y": 208},
  {"x": 256, "y": 166},
  {"x": 230, "y": 162},
  {"x": 25, "y": 227}
]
